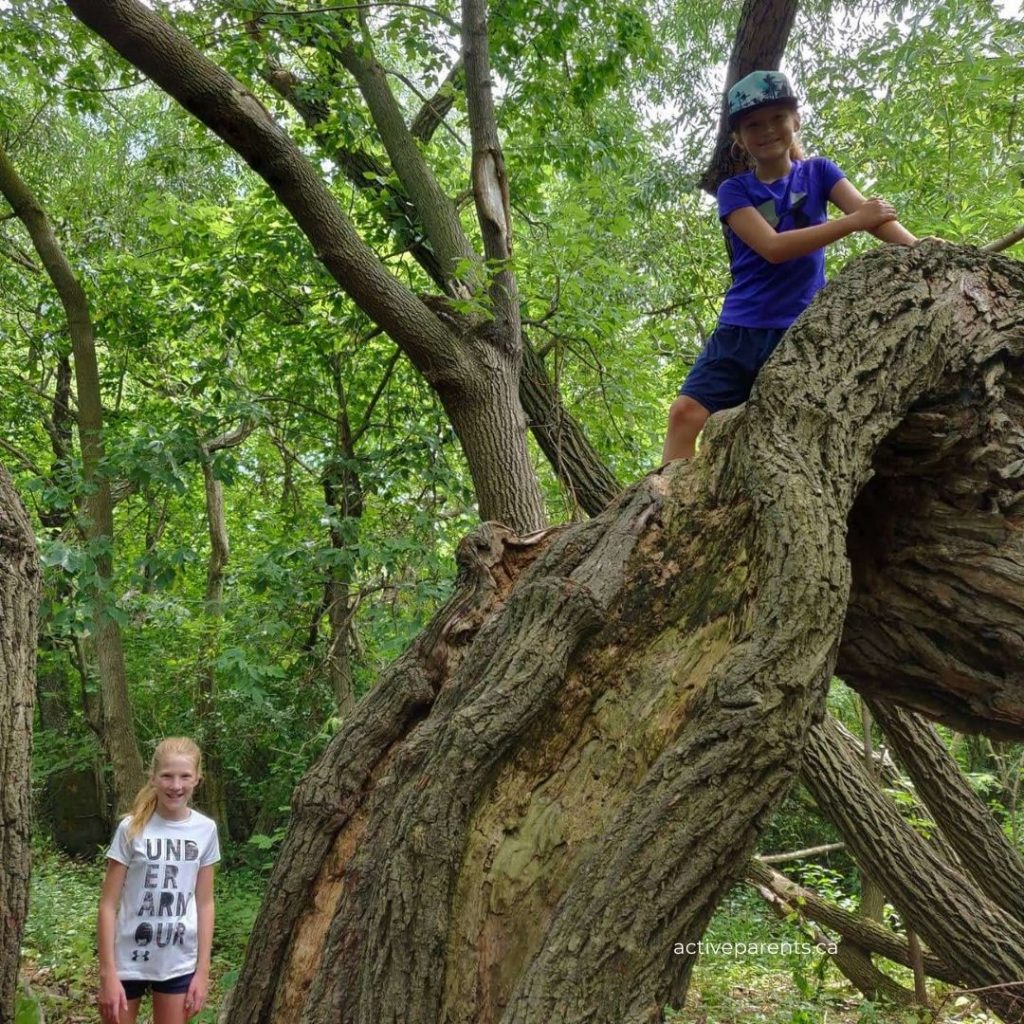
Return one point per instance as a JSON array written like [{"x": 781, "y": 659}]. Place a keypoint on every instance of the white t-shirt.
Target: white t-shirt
[{"x": 157, "y": 936}]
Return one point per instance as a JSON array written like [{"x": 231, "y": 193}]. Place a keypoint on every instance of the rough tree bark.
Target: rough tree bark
[
  {"x": 567, "y": 769},
  {"x": 19, "y": 596},
  {"x": 960, "y": 813},
  {"x": 98, "y": 528},
  {"x": 939, "y": 902}
]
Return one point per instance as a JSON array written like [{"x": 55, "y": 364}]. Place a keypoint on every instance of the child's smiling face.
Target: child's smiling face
[
  {"x": 174, "y": 782},
  {"x": 767, "y": 132}
]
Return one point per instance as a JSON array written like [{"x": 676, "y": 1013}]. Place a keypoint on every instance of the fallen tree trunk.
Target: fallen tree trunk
[
  {"x": 961, "y": 814},
  {"x": 567, "y": 769},
  {"x": 941, "y": 904},
  {"x": 861, "y": 931}
]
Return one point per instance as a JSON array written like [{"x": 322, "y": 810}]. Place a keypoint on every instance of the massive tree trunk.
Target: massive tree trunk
[
  {"x": 567, "y": 769},
  {"x": 118, "y": 726},
  {"x": 19, "y": 595}
]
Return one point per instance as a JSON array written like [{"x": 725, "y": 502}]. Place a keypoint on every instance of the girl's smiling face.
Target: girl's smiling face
[
  {"x": 174, "y": 782},
  {"x": 767, "y": 133}
]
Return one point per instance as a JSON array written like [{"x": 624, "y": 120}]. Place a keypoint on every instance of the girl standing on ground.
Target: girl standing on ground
[
  {"x": 155, "y": 926},
  {"x": 776, "y": 227}
]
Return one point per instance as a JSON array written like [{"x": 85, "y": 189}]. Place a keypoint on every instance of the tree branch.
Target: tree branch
[
  {"x": 1006, "y": 241},
  {"x": 490, "y": 181},
  {"x": 363, "y": 171},
  {"x": 435, "y": 109},
  {"x": 232, "y": 112},
  {"x": 435, "y": 208},
  {"x": 862, "y": 931},
  {"x": 761, "y": 38}
]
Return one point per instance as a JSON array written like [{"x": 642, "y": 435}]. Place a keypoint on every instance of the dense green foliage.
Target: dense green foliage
[{"x": 212, "y": 312}]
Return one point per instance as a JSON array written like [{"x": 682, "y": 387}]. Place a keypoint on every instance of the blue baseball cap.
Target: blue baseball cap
[{"x": 758, "y": 89}]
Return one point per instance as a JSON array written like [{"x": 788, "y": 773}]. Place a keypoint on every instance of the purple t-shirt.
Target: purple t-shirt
[{"x": 766, "y": 294}]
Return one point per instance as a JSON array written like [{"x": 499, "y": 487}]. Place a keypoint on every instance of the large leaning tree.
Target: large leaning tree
[{"x": 556, "y": 783}]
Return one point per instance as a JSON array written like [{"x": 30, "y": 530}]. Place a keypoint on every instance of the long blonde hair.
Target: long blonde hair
[{"x": 144, "y": 804}]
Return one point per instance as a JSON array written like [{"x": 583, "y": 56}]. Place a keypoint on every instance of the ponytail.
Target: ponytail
[
  {"x": 144, "y": 805},
  {"x": 142, "y": 810}
]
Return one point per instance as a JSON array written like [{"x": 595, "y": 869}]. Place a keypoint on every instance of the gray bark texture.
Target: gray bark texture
[
  {"x": 19, "y": 597},
  {"x": 966, "y": 822},
  {"x": 569, "y": 767},
  {"x": 940, "y": 903}
]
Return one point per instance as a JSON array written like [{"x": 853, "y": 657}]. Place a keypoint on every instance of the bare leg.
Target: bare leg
[
  {"x": 686, "y": 418},
  {"x": 169, "y": 1008},
  {"x": 130, "y": 1015}
]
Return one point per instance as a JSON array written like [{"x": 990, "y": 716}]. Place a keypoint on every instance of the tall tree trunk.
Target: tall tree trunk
[
  {"x": 118, "y": 726},
  {"x": 761, "y": 37},
  {"x": 207, "y": 718},
  {"x": 19, "y": 596},
  {"x": 942, "y": 905},
  {"x": 575, "y": 461},
  {"x": 566, "y": 770},
  {"x": 343, "y": 493},
  {"x": 960, "y": 813}
]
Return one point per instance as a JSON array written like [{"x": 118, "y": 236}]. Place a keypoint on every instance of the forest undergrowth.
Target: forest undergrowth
[{"x": 59, "y": 974}]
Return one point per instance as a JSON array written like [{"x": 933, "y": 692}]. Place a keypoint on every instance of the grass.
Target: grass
[
  {"x": 59, "y": 970},
  {"x": 60, "y": 974},
  {"x": 772, "y": 987}
]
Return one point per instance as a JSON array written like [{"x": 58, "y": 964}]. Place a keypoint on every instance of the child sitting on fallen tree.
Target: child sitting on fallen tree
[{"x": 776, "y": 228}]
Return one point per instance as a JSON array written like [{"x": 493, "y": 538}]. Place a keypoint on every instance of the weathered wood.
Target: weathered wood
[{"x": 621, "y": 704}]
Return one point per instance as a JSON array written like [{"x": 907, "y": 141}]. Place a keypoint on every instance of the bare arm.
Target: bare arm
[
  {"x": 111, "y": 999},
  {"x": 197, "y": 990},
  {"x": 779, "y": 246},
  {"x": 848, "y": 199}
]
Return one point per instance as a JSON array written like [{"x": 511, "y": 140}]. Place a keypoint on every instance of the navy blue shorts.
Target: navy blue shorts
[
  {"x": 136, "y": 989},
  {"x": 724, "y": 372}
]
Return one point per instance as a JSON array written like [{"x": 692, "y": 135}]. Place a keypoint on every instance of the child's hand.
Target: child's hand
[
  {"x": 873, "y": 214},
  {"x": 112, "y": 1000},
  {"x": 195, "y": 998}
]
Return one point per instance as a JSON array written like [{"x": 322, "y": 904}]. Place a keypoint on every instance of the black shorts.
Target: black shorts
[
  {"x": 135, "y": 988},
  {"x": 724, "y": 372}
]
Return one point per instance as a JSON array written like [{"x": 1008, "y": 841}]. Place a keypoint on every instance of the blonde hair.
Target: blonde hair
[{"x": 144, "y": 804}]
